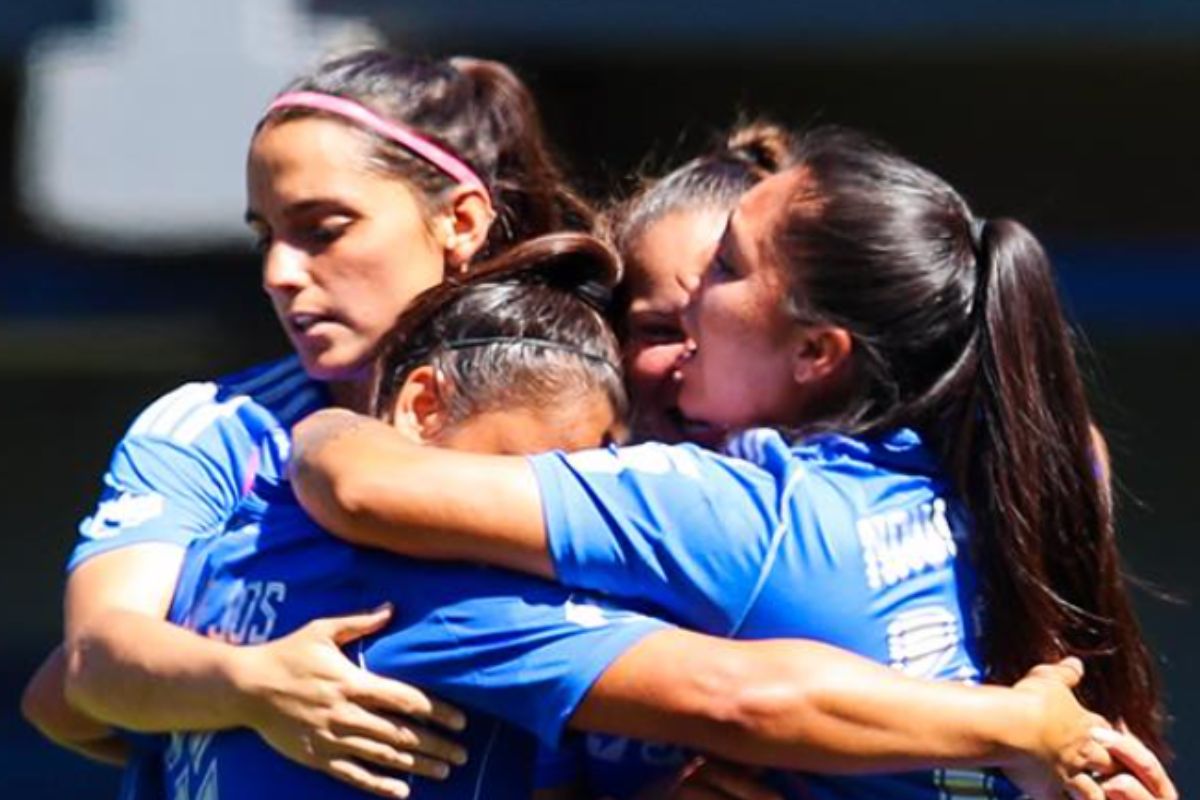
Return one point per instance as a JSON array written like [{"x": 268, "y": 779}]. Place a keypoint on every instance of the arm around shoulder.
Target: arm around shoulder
[
  {"x": 808, "y": 706},
  {"x": 368, "y": 484}
]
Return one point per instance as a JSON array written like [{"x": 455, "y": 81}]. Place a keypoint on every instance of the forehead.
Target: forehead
[
  {"x": 301, "y": 152},
  {"x": 574, "y": 421},
  {"x": 671, "y": 253},
  {"x": 761, "y": 205}
]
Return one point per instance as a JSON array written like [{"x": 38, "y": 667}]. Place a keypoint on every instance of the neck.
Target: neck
[{"x": 354, "y": 395}]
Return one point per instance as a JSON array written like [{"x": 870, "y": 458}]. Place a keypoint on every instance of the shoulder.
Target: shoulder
[{"x": 270, "y": 395}]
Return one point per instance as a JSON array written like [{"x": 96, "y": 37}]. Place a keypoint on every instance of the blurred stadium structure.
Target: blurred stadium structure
[{"x": 123, "y": 272}]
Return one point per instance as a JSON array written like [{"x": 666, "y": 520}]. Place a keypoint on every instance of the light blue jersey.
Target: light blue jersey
[
  {"x": 188, "y": 460},
  {"x": 181, "y": 472},
  {"x": 851, "y": 542},
  {"x": 515, "y": 652}
]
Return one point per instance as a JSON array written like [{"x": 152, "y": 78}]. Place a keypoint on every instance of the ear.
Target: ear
[
  {"x": 420, "y": 411},
  {"x": 464, "y": 223},
  {"x": 822, "y": 352}
]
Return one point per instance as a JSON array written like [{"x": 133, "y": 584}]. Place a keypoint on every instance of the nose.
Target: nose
[{"x": 285, "y": 268}]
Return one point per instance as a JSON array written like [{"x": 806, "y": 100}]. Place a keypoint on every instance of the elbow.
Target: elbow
[
  {"x": 776, "y": 705},
  {"x": 84, "y": 668},
  {"x": 76, "y": 669},
  {"x": 757, "y": 709},
  {"x": 338, "y": 501},
  {"x": 45, "y": 705}
]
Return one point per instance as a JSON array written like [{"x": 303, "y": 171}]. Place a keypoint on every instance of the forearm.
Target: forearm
[
  {"x": 804, "y": 706},
  {"x": 367, "y": 484},
  {"x": 44, "y": 705},
  {"x": 146, "y": 674}
]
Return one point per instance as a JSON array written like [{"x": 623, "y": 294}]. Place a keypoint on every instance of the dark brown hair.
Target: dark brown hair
[
  {"x": 958, "y": 332},
  {"x": 478, "y": 110},
  {"x": 716, "y": 179},
  {"x": 532, "y": 324}
]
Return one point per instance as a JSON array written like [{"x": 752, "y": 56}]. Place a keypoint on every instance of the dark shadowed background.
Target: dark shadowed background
[{"x": 1080, "y": 118}]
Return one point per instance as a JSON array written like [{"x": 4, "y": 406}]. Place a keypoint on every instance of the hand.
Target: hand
[
  {"x": 1065, "y": 750},
  {"x": 1141, "y": 776},
  {"x": 706, "y": 778},
  {"x": 316, "y": 707}
]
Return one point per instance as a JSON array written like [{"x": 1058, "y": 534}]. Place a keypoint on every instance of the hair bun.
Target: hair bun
[{"x": 762, "y": 144}]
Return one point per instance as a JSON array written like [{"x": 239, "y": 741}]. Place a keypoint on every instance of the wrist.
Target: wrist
[
  {"x": 1013, "y": 727},
  {"x": 244, "y": 689}
]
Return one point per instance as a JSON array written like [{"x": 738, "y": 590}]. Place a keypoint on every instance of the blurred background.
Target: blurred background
[{"x": 124, "y": 268}]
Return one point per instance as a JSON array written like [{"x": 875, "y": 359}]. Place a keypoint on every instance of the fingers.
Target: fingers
[
  {"x": 1145, "y": 767},
  {"x": 400, "y": 698},
  {"x": 355, "y": 626},
  {"x": 1096, "y": 759},
  {"x": 369, "y": 750},
  {"x": 1084, "y": 787},
  {"x": 1126, "y": 787},
  {"x": 399, "y": 735},
  {"x": 359, "y": 777},
  {"x": 1068, "y": 671}
]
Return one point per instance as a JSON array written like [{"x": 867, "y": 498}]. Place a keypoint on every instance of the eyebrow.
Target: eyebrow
[{"x": 300, "y": 207}]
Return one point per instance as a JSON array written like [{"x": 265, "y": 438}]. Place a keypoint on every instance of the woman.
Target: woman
[
  {"x": 513, "y": 359},
  {"x": 369, "y": 180},
  {"x": 942, "y": 469},
  {"x": 666, "y": 234}
]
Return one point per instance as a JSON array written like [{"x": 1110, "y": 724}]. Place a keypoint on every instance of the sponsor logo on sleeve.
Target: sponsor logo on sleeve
[{"x": 122, "y": 511}]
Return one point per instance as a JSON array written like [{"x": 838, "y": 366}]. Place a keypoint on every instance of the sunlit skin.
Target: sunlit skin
[
  {"x": 573, "y": 421},
  {"x": 664, "y": 266},
  {"x": 742, "y": 370},
  {"x": 345, "y": 249}
]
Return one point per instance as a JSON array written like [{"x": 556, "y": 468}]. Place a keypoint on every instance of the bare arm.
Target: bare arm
[
  {"x": 126, "y": 665},
  {"x": 106, "y": 581},
  {"x": 808, "y": 706},
  {"x": 368, "y": 484},
  {"x": 45, "y": 706}
]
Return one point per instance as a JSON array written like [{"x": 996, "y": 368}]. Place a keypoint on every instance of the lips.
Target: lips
[
  {"x": 689, "y": 353},
  {"x": 303, "y": 323}
]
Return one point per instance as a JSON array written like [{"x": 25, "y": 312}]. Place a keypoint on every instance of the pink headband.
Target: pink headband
[{"x": 408, "y": 139}]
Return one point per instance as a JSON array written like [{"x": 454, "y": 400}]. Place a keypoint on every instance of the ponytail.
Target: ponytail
[
  {"x": 531, "y": 195},
  {"x": 1030, "y": 472},
  {"x": 958, "y": 333},
  {"x": 477, "y": 111}
]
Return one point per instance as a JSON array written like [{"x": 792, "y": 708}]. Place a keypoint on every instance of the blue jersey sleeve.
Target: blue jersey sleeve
[
  {"x": 178, "y": 474},
  {"x": 520, "y": 649},
  {"x": 686, "y": 530}
]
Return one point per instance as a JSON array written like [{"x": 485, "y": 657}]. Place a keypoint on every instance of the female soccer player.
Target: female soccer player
[
  {"x": 936, "y": 481},
  {"x": 666, "y": 234},
  {"x": 512, "y": 359},
  {"x": 368, "y": 181}
]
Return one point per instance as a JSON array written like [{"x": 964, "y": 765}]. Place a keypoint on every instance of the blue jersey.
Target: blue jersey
[
  {"x": 181, "y": 471},
  {"x": 515, "y": 652},
  {"x": 851, "y": 542},
  {"x": 187, "y": 461}
]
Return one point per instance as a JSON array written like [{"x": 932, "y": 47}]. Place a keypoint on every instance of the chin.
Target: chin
[{"x": 327, "y": 367}]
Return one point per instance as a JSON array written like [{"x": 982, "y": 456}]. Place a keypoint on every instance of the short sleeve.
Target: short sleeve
[
  {"x": 523, "y": 650},
  {"x": 683, "y": 529},
  {"x": 178, "y": 474}
]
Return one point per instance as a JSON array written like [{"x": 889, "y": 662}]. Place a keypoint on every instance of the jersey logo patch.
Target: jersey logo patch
[
  {"x": 904, "y": 542},
  {"x": 591, "y": 612},
  {"x": 126, "y": 510}
]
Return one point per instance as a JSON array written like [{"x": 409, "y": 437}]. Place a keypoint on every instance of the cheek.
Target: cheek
[{"x": 379, "y": 279}]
